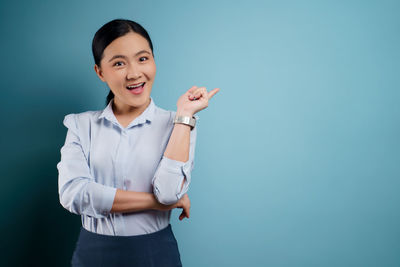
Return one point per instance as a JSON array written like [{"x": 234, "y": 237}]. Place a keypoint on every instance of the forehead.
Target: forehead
[{"x": 128, "y": 45}]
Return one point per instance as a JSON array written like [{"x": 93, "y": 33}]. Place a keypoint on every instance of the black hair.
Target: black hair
[{"x": 111, "y": 31}]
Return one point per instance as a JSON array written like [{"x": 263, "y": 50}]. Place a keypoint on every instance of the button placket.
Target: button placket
[
  {"x": 120, "y": 172},
  {"x": 119, "y": 162},
  {"x": 124, "y": 144}
]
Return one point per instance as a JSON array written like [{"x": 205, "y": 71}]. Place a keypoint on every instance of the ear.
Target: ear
[{"x": 99, "y": 72}]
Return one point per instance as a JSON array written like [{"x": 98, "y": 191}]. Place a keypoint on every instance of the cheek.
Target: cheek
[
  {"x": 117, "y": 77},
  {"x": 151, "y": 70}
]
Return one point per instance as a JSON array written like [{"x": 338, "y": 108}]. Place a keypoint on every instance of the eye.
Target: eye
[
  {"x": 145, "y": 58},
  {"x": 118, "y": 63}
]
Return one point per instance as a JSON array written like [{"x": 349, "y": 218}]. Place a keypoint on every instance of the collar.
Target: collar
[{"x": 146, "y": 116}]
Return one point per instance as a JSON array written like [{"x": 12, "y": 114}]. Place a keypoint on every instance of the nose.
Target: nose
[{"x": 133, "y": 72}]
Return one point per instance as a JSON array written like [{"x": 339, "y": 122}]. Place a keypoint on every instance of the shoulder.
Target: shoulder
[
  {"x": 164, "y": 116},
  {"x": 82, "y": 119}
]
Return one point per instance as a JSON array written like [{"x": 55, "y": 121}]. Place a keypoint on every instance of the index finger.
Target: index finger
[{"x": 212, "y": 93}]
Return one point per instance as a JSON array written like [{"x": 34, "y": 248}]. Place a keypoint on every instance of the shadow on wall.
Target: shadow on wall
[{"x": 37, "y": 230}]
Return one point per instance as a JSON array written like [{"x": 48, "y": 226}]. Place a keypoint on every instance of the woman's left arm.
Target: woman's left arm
[{"x": 180, "y": 146}]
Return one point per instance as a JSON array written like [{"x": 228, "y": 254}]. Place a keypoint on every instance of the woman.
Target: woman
[{"x": 124, "y": 168}]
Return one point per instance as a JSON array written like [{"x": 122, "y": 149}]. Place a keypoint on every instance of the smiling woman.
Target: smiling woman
[{"x": 124, "y": 168}]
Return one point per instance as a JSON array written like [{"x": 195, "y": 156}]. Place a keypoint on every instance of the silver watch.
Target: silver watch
[{"x": 191, "y": 121}]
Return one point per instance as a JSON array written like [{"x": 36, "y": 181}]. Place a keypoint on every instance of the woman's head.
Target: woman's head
[{"x": 123, "y": 55}]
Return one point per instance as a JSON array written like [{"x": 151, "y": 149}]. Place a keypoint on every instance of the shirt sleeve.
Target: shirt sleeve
[
  {"x": 78, "y": 191},
  {"x": 170, "y": 173}
]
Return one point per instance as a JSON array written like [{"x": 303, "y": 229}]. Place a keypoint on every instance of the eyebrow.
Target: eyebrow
[{"x": 125, "y": 57}]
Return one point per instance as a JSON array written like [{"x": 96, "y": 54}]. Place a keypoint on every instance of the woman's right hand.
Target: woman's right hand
[{"x": 183, "y": 203}]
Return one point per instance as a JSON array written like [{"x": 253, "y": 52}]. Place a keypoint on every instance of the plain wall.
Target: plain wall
[{"x": 297, "y": 159}]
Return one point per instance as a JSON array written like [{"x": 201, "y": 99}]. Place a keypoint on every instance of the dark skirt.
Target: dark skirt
[{"x": 156, "y": 249}]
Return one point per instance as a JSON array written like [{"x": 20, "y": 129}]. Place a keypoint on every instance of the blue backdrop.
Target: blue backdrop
[{"x": 297, "y": 160}]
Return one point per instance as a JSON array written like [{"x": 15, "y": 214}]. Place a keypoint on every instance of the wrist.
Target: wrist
[
  {"x": 187, "y": 121},
  {"x": 185, "y": 113}
]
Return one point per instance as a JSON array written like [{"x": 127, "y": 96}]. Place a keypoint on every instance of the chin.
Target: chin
[{"x": 140, "y": 101}]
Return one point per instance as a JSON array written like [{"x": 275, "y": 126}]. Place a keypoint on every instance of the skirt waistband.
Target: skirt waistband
[{"x": 107, "y": 238}]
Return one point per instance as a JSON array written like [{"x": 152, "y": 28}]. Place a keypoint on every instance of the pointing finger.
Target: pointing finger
[{"x": 212, "y": 93}]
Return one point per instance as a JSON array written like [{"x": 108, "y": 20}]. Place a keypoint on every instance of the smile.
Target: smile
[
  {"x": 133, "y": 86},
  {"x": 136, "y": 89}
]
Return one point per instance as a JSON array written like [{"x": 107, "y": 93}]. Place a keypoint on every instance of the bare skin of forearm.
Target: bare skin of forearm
[
  {"x": 179, "y": 143},
  {"x": 130, "y": 201}
]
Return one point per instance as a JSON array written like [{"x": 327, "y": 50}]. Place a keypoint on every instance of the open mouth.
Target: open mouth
[{"x": 136, "y": 88}]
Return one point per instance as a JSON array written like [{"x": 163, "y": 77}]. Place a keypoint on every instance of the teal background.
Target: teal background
[{"x": 297, "y": 159}]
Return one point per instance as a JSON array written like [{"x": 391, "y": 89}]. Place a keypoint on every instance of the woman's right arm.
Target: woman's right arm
[{"x": 129, "y": 201}]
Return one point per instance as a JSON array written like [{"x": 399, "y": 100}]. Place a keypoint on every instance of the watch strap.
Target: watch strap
[{"x": 191, "y": 121}]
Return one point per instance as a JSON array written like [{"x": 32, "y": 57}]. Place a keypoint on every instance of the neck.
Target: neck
[{"x": 124, "y": 110}]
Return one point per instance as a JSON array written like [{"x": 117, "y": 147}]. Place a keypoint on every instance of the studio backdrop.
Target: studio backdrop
[{"x": 297, "y": 157}]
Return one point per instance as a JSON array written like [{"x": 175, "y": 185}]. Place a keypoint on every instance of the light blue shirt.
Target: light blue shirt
[{"x": 100, "y": 155}]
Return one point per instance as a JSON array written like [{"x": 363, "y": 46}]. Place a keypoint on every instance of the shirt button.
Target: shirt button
[{"x": 126, "y": 184}]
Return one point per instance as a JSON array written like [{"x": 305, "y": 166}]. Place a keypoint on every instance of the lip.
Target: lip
[
  {"x": 137, "y": 91},
  {"x": 133, "y": 84}
]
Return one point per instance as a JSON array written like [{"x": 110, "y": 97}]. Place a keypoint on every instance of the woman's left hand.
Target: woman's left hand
[{"x": 194, "y": 100}]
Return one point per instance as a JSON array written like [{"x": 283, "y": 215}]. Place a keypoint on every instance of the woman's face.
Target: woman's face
[{"x": 128, "y": 62}]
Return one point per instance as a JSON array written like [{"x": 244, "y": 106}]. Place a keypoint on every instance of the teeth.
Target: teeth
[{"x": 135, "y": 86}]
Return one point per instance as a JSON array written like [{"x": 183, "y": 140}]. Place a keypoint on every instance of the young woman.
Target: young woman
[{"x": 124, "y": 168}]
